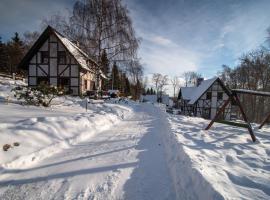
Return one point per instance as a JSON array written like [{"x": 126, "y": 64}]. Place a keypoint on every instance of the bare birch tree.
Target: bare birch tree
[
  {"x": 160, "y": 81},
  {"x": 191, "y": 77},
  {"x": 175, "y": 83},
  {"x": 100, "y": 25}
]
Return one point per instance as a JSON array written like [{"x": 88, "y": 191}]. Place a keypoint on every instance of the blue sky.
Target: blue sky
[{"x": 177, "y": 35}]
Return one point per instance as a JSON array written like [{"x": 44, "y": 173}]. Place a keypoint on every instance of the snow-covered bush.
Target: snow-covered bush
[{"x": 41, "y": 95}]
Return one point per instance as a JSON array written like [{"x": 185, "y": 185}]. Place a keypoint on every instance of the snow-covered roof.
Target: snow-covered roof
[
  {"x": 201, "y": 89},
  {"x": 80, "y": 56},
  {"x": 187, "y": 92}
]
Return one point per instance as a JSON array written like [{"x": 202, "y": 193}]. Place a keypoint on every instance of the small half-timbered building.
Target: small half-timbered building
[
  {"x": 184, "y": 96},
  {"x": 205, "y": 99},
  {"x": 57, "y": 61}
]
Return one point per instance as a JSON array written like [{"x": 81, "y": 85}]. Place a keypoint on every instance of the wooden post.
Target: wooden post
[
  {"x": 264, "y": 121},
  {"x": 245, "y": 117},
  {"x": 218, "y": 113},
  {"x": 86, "y": 104}
]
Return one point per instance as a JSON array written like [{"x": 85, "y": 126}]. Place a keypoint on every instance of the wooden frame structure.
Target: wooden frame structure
[
  {"x": 257, "y": 93},
  {"x": 206, "y": 99},
  {"x": 56, "y": 60},
  {"x": 208, "y": 107},
  {"x": 234, "y": 99}
]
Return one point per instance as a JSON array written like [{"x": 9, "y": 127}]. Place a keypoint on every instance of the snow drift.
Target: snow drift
[
  {"x": 222, "y": 163},
  {"x": 42, "y": 132},
  {"x": 188, "y": 182}
]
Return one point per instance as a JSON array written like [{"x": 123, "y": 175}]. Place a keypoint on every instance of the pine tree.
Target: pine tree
[
  {"x": 105, "y": 69},
  {"x": 151, "y": 91},
  {"x": 3, "y": 57},
  {"x": 115, "y": 77},
  {"x": 17, "y": 40},
  {"x": 15, "y": 51},
  {"x": 127, "y": 88}
]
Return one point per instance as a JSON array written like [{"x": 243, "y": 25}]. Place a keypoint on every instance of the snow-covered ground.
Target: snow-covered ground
[
  {"x": 42, "y": 132},
  {"x": 126, "y": 151},
  {"x": 224, "y": 156},
  {"x": 126, "y": 161}
]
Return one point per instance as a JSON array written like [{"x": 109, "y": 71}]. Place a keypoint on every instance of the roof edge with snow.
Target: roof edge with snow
[{"x": 79, "y": 55}]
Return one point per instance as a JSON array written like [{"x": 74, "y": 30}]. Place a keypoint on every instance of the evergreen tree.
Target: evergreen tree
[
  {"x": 15, "y": 52},
  {"x": 3, "y": 57},
  {"x": 115, "y": 77},
  {"x": 17, "y": 40},
  {"x": 151, "y": 91},
  {"x": 2, "y": 65},
  {"x": 105, "y": 63},
  {"x": 127, "y": 88},
  {"x": 105, "y": 69}
]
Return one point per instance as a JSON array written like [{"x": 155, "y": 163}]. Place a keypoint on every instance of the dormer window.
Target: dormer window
[
  {"x": 61, "y": 57},
  {"x": 44, "y": 57}
]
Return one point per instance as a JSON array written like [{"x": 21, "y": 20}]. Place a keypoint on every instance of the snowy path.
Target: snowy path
[{"x": 126, "y": 162}]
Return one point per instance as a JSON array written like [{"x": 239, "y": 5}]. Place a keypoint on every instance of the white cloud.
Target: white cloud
[
  {"x": 160, "y": 40},
  {"x": 170, "y": 60}
]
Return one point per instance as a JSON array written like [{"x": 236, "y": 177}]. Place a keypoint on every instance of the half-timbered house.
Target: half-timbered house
[
  {"x": 205, "y": 99},
  {"x": 57, "y": 61},
  {"x": 184, "y": 97}
]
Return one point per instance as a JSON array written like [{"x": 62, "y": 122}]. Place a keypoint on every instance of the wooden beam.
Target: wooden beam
[
  {"x": 218, "y": 113},
  {"x": 251, "y": 92},
  {"x": 237, "y": 124},
  {"x": 244, "y": 117},
  {"x": 264, "y": 121}
]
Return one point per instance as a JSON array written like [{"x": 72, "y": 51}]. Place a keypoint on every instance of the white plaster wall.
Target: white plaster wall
[
  {"x": 32, "y": 81},
  {"x": 74, "y": 82},
  {"x": 53, "y": 38},
  {"x": 61, "y": 47},
  {"x": 38, "y": 57},
  {"x": 44, "y": 46},
  {"x": 33, "y": 60},
  {"x": 53, "y": 81},
  {"x": 53, "y": 67},
  {"x": 40, "y": 72},
  {"x": 74, "y": 70},
  {"x": 213, "y": 113},
  {"x": 214, "y": 99},
  {"x": 53, "y": 49},
  {"x": 62, "y": 68},
  {"x": 32, "y": 70}
]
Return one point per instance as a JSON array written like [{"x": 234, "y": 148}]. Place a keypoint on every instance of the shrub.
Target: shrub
[
  {"x": 41, "y": 95},
  {"x": 6, "y": 147},
  {"x": 16, "y": 144}
]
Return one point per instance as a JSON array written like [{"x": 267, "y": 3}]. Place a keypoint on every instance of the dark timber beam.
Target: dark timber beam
[
  {"x": 251, "y": 92},
  {"x": 245, "y": 117},
  {"x": 234, "y": 98},
  {"x": 266, "y": 119},
  {"x": 219, "y": 112}
]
